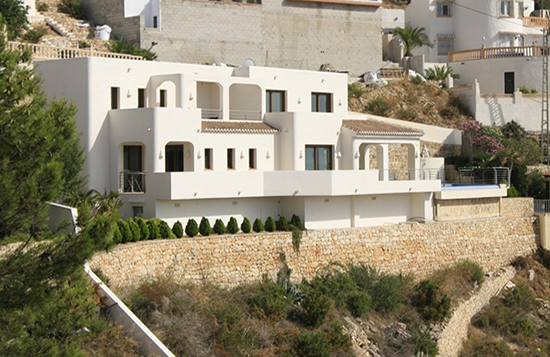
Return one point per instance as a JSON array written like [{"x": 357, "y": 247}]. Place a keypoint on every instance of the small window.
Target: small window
[
  {"x": 275, "y": 101},
  {"x": 155, "y": 22},
  {"x": 318, "y": 157},
  {"x": 231, "y": 159},
  {"x": 443, "y": 9},
  {"x": 162, "y": 101},
  {"x": 252, "y": 159},
  {"x": 138, "y": 211},
  {"x": 444, "y": 46},
  {"x": 321, "y": 102},
  {"x": 174, "y": 158},
  {"x": 507, "y": 8},
  {"x": 115, "y": 97},
  {"x": 208, "y": 157},
  {"x": 141, "y": 97}
]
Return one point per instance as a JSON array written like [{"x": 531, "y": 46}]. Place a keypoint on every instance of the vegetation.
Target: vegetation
[
  {"x": 75, "y": 8},
  {"x": 258, "y": 226},
  {"x": 164, "y": 230},
  {"x": 34, "y": 35},
  {"x": 42, "y": 6},
  {"x": 246, "y": 226},
  {"x": 177, "y": 229},
  {"x": 413, "y": 38},
  {"x": 14, "y": 16},
  {"x": 153, "y": 229},
  {"x": 232, "y": 226},
  {"x": 191, "y": 229},
  {"x": 355, "y": 90},
  {"x": 440, "y": 73},
  {"x": 219, "y": 227},
  {"x": 121, "y": 46},
  {"x": 270, "y": 225},
  {"x": 204, "y": 227}
]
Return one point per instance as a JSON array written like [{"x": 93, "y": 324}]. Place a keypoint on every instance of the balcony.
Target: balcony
[
  {"x": 497, "y": 52},
  {"x": 244, "y": 115},
  {"x": 211, "y": 113},
  {"x": 536, "y": 22},
  {"x": 131, "y": 182}
]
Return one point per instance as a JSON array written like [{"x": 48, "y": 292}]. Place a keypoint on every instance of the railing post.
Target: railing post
[{"x": 483, "y": 52}]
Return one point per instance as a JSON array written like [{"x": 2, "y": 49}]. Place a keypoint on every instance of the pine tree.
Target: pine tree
[
  {"x": 177, "y": 229},
  {"x": 191, "y": 229},
  {"x": 258, "y": 226},
  {"x": 232, "y": 226},
  {"x": 270, "y": 224},
  {"x": 219, "y": 227},
  {"x": 204, "y": 227},
  {"x": 164, "y": 230},
  {"x": 153, "y": 229},
  {"x": 246, "y": 226}
]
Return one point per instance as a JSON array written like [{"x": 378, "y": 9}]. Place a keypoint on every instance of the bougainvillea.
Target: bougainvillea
[{"x": 480, "y": 139}]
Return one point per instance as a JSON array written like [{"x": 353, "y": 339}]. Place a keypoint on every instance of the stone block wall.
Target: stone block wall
[
  {"x": 449, "y": 210},
  {"x": 517, "y": 207},
  {"x": 418, "y": 249}
]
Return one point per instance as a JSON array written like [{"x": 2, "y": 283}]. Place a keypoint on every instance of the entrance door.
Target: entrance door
[
  {"x": 509, "y": 82},
  {"x": 134, "y": 178}
]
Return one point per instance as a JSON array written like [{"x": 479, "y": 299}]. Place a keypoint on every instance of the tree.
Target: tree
[
  {"x": 412, "y": 38},
  {"x": 14, "y": 15},
  {"x": 441, "y": 73},
  {"x": 40, "y": 152}
]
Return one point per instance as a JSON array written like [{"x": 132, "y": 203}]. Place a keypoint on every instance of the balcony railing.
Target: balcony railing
[
  {"x": 497, "y": 52},
  {"x": 542, "y": 206},
  {"x": 537, "y": 22},
  {"x": 255, "y": 115},
  {"x": 483, "y": 175},
  {"x": 44, "y": 52},
  {"x": 411, "y": 174},
  {"x": 131, "y": 182},
  {"x": 211, "y": 113}
]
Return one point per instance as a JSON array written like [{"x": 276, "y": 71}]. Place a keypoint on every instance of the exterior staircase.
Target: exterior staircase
[{"x": 57, "y": 27}]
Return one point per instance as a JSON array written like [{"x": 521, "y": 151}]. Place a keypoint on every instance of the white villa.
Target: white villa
[{"x": 182, "y": 141}]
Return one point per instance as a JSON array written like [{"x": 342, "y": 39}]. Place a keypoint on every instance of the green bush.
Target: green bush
[
  {"x": 336, "y": 337},
  {"x": 124, "y": 231},
  {"x": 164, "y": 230},
  {"x": 153, "y": 229},
  {"x": 297, "y": 222},
  {"x": 268, "y": 300},
  {"x": 296, "y": 236},
  {"x": 177, "y": 229},
  {"x": 72, "y": 7},
  {"x": 416, "y": 80},
  {"x": 134, "y": 230},
  {"x": 387, "y": 294},
  {"x": 424, "y": 343},
  {"x": 42, "y": 7},
  {"x": 191, "y": 229},
  {"x": 232, "y": 226},
  {"x": 336, "y": 285},
  {"x": 117, "y": 236},
  {"x": 83, "y": 44},
  {"x": 316, "y": 308},
  {"x": 34, "y": 35},
  {"x": 258, "y": 226},
  {"x": 430, "y": 304},
  {"x": 282, "y": 224},
  {"x": 245, "y": 226},
  {"x": 311, "y": 344},
  {"x": 520, "y": 297},
  {"x": 219, "y": 227},
  {"x": 364, "y": 276},
  {"x": 204, "y": 227},
  {"x": 143, "y": 228},
  {"x": 270, "y": 225},
  {"x": 355, "y": 90},
  {"x": 359, "y": 303},
  {"x": 121, "y": 46},
  {"x": 378, "y": 106}
]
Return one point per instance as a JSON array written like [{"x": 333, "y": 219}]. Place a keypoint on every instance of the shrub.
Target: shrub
[
  {"x": 177, "y": 229},
  {"x": 134, "y": 230},
  {"x": 117, "y": 236},
  {"x": 336, "y": 285},
  {"x": 316, "y": 308},
  {"x": 268, "y": 300},
  {"x": 387, "y": 293},
  {"x": 296, "y": 237},
  {"x": 378, "y": 106},
  {"x": 359, "y": 303},
  {"x": 270, "y": 224},
  {"x": 143, "y": 228},
  {"x": 33, "y": 36},
  {"x": 191, "y": 229},
  {"x": 364, "y": 276},
  {"x": 124, "y": 231},
  {"x": 219, "y": 227},
  {"x": 153, "y": 229},
  {"x": 164, "y": 230},
  {"x": 424, "y": 344},
  {"x": 72, "y": 7},
  {"x": 232, "y": 226},
  {"x": 297, "y": 222},
  {"x": 204, "y": 227},
  {"x": 355, "y": 90},
  {"x": 282, "y": 224},
  {"x": 83, "y": 44},
  {"x": 121, "y": 46},
  {"x": 245, "y": 226},
  {"x": 407, "y": 114},
  {"x": 311, "y": 344},
  {"x": 520, "y": 297},
  {"x": 258, "y": 226},
  {"x": 42, "y": 7},
  {"x": 416, "y": 80},
  {"x": 336, "y": 337},
  {"x": 430, "y": 304},
  {"x": 440, "y": 73}
]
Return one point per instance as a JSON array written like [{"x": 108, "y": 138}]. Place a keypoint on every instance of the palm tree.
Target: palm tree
[{"x": 412, "y": 38}]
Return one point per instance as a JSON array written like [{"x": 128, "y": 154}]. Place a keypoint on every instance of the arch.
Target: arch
[
  {"x": 131, "y": 166},
  {"x": 210, "y": 100},
  {"x": 371, "y": 156},
  {"x": 178, "y": 156},
  {"x": 245, "y": 102}
]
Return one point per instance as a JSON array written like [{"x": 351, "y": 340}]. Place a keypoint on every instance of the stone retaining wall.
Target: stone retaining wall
[
  {"x": 229, "y": 260},
  {"x": 517, "y": 207},
  {"x": 461, "y": 209}
]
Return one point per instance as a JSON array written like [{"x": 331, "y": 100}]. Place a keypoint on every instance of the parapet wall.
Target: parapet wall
[{"x": 417, "y": 249}]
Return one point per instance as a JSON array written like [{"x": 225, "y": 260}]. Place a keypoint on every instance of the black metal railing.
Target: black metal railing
[
  {"x": 131, "y": 181},
  {"x": 411, "y": 174},
  {"x": 542, "y": 206},
  {"x": 483, "y": 175}
]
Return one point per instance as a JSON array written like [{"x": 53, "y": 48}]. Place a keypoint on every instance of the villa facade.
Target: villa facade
[{"x": 182, "y": 141}]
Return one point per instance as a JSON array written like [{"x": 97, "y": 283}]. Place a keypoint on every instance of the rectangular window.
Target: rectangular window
[
  {"x": 507, "y": 8},
  {"x": 132, "y": 158},
  {"x": 506, "y": 41},
  {"x": 115, "y": 97},
  {"x": 318, "y": 157},
  {"x": 252, "y": 159},
  {"x": 208, "y": 157},
  {"x": 231, "y": 159},
  {"x": 174, "y": 158},
  {"x": 443, "y": 9},
  {"x": 521, "y": 9},
  {"x": 444, "y": 45},
  {"x": 138, "y": 211},
  {"x": 155, "y": 22},
  {"x": 275, "y": 101},
  {"x": 162, "y": 101},
  {"x": 321, "y": 102},
  {"x": 141, "y": 97}
]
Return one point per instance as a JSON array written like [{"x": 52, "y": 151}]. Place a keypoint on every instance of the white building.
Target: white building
[{"x": 182, "y": 141}]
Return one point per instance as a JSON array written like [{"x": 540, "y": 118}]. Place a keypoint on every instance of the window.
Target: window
[
  {"x": 138, "y": 211},
  {"x": 115, "y": 95},
  {"x": 443, "y": 9},
  {"x": 506, "y": 40},
  {"x": 141, "y": 97},
  {"x": 155, "y": 22},
  {"x": 506, "y": 8},
  {"x": 252, "y": 159},
  {"x": 275, "y": 101},
  {"x": 231, "y": 159},
  {"x": 132, "y": 158},
  {"x": 318, "y": 157},
  {"x": 174, "y": 158},
  {"x": 444, "y": 45},
  {"x": 521, "y": 9},
  {"x": 321, "y": 102},
  {"x": 208, "y": 156},
  {"x": 162, "y": 101}
]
